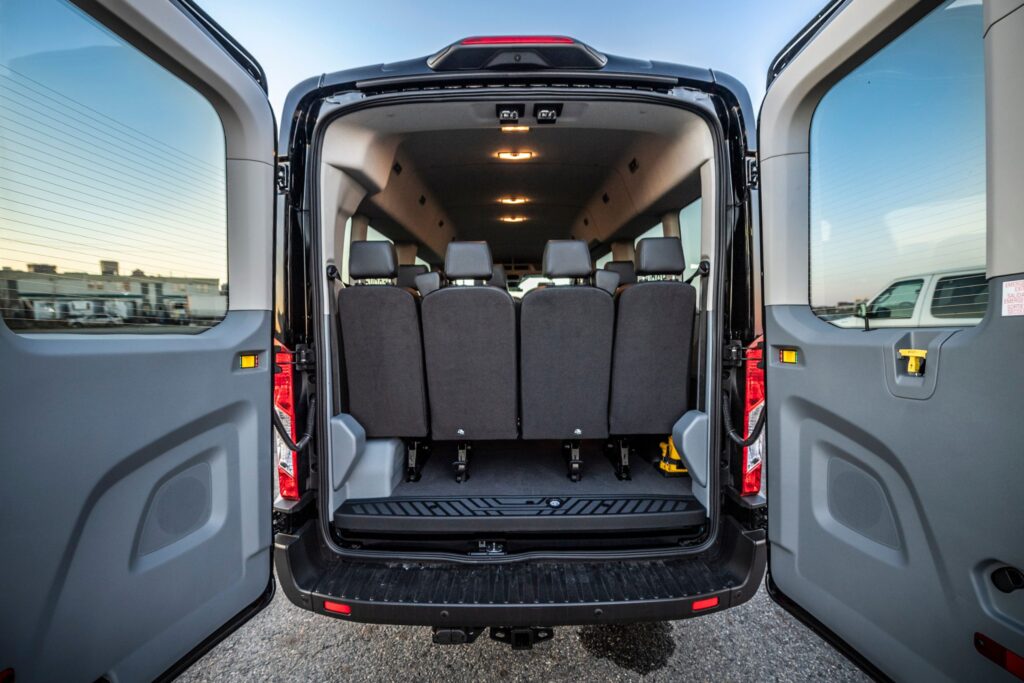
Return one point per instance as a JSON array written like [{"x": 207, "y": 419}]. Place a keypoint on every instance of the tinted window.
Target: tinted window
[
  {"x": 960, "y": 296},
  {"x": 897, "y": 163},
  {"x": 112, "y": 183}
]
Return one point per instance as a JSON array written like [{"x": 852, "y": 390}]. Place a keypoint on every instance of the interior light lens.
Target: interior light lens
[
  {"x": 512, "y": 219},
  {"x": 513, "y": 200},
  {"x": 515, "y": 156},
  {"x": 515, "y": 129}
]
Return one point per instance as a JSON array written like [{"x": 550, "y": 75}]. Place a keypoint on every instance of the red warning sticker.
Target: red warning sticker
[{"x": 1013, "y": 297}]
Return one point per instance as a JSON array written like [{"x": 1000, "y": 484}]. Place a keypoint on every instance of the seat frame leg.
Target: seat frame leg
[
  {"x": 462, "y": 462},
  {"x": 622, "y": 465},
  {"x": 413, "y": 461},
  {"x": 575, "y": 461}
]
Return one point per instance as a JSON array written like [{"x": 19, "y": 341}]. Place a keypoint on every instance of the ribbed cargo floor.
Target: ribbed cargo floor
[{"x": 512, "y": 489}]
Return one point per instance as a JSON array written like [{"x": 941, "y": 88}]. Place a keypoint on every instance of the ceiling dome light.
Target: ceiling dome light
[
  {"x": 512, "y": 219},
  {"x": 515, "y": 129},
  {"x": 513, "y": 200},
  {"x": 515, "y": 156}
]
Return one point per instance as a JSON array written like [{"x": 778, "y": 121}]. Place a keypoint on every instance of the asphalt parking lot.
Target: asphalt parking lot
[{"x": 757, "y": 641}]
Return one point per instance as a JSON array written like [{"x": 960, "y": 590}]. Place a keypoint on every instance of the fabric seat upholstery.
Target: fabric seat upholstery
[
  {"x": 653, "y": 337},
  {"x": 382, "y": 346},
  {"x": 566, "y": 350},
  {"x": 469, "y": 338}
]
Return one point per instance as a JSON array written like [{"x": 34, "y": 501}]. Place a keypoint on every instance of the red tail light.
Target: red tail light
[
  {"x": 337, "y": 607},
  {"x": 284, "y": 404},
  {"x": 753, "y": 455},
  {"x": 517, "y": 40},
  {"x": 704, "y": 603}
]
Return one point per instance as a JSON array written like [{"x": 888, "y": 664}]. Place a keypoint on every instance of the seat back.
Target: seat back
[
  {"x": 653, "y": 337},
  {"x": 566, "y": 349},
  {"x": 382, "y": 347},
  {"x": 625, "y": 270},
  {"x": 469, "y": 337},
  {"x": 407, "y": 275}
]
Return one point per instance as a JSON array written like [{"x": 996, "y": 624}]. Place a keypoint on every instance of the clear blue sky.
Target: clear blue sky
[{"x": 296, "y": 39}]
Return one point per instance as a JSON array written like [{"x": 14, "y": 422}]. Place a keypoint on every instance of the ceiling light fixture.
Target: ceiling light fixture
[
  {"x": 513, "y": 200},
  {"x": 515, "y": 156},
  {"x": 512, "y": 219},
  {"x": 515, "y": 129}
]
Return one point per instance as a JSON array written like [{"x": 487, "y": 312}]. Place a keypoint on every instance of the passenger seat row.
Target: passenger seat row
[{"x": 578, "y": 363}]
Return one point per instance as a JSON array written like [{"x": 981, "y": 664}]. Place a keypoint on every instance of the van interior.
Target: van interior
[{"x": 514, "y": 310}]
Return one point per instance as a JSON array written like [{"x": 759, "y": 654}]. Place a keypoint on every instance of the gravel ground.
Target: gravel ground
[{"x": 757, "y": 641}]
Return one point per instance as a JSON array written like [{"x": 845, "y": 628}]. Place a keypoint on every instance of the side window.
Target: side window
[
  {"x": 112, "y": 198},
  {"x": 897, "y": 301},
  {"x": 689, "y": 233},
  {"x": 960, "y": 296},
  {"x": 897, "y": 179}
]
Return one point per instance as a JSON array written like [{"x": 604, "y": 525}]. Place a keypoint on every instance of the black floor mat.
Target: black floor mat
[{"x": 509, "y": 469}]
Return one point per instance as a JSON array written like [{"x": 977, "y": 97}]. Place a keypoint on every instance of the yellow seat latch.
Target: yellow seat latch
[
  {"x": 915, "y": 360},
  {"x": 671, "y": 464}
]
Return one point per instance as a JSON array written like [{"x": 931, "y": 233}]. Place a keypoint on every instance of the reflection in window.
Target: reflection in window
[
  {"x": 112, "y": 183},
  {"x": 897, "y": 301},
  {"x": 960, "y": 296},
  {"x": 897, "y": 164}
]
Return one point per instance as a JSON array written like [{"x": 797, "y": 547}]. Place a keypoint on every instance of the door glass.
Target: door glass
[
  {"x": 112, "y": 183},
  {"x": 897, "y": 301},
  {"x": 897, "y": 161}
]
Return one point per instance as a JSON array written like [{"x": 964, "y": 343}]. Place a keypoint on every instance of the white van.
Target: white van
[{"x": 953, "y": 297}]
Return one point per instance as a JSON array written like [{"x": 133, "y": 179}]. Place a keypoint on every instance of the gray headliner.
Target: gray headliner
[{"x": 450, "y": 147}]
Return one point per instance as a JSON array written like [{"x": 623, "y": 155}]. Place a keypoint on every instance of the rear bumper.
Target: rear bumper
[{"x": 526, "y": 593}]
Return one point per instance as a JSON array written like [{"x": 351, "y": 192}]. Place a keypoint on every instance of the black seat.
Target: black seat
[
  {"x": 608, "y": 280},
  {"x": 380, "y": 335},
  {"x": 469, "y": 337},
  {"x": 653, "y": 335},
  {"x": 407, "y": 275},
  {"x": 498, "y": 278},
  {"x": 566, "y": 350},
  {"x": 625, "y": 269}
]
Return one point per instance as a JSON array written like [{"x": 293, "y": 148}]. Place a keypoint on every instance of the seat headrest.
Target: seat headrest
[
  {"x": 498, "y": 278},
  {"x": 567, "y": 258},
  {"x": 468, "y": 261},
  {"x": 368, "y": 260},
  {"x": 428, "y": 282},
  {"x": 660, "y": 256},
  {"x": 407, "y": 275},
  {"x": 608, "y": 280},
  {"x": 625, "y": 270}
]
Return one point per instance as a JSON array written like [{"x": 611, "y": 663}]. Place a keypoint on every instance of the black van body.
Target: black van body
[{"x": 529, "y": 589}]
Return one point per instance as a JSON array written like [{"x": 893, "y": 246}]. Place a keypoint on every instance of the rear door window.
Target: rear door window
[
  {"x": 112, "y": 183},
  {"x": 897, "y": 167}
]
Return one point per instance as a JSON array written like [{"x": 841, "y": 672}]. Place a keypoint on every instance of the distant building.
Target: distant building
[{"x": 41, "y": 293}]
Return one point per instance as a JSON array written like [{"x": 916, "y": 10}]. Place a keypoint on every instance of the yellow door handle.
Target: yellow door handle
[{"x": 915, "y": 360}]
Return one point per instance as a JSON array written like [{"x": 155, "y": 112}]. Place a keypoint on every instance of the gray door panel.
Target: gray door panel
[
  {"x": 134, "y": 504},
  {"x": 893, "y": 498}
]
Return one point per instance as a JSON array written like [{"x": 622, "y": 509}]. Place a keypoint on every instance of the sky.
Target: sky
[
  {"x": 105, "y": 155},
  {"x": 739, "y": 37}
]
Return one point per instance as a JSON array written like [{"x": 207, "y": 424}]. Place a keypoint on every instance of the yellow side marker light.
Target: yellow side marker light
[
  {"x": 248, "y": 361},
  {"x": 788, "y": 356}
]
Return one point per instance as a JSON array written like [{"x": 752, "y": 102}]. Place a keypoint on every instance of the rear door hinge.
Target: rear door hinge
[
  {"x": 305, "y": 359},
  {"x": 283, "y": 175},
  {"x": 753, "y": 172},
  {"x": 732, "y": 357}
]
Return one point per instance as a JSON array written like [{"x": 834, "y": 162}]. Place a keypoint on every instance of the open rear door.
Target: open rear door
[
  {"x": 891, "y": 142},
  {"x": 136, "y": 205}
]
